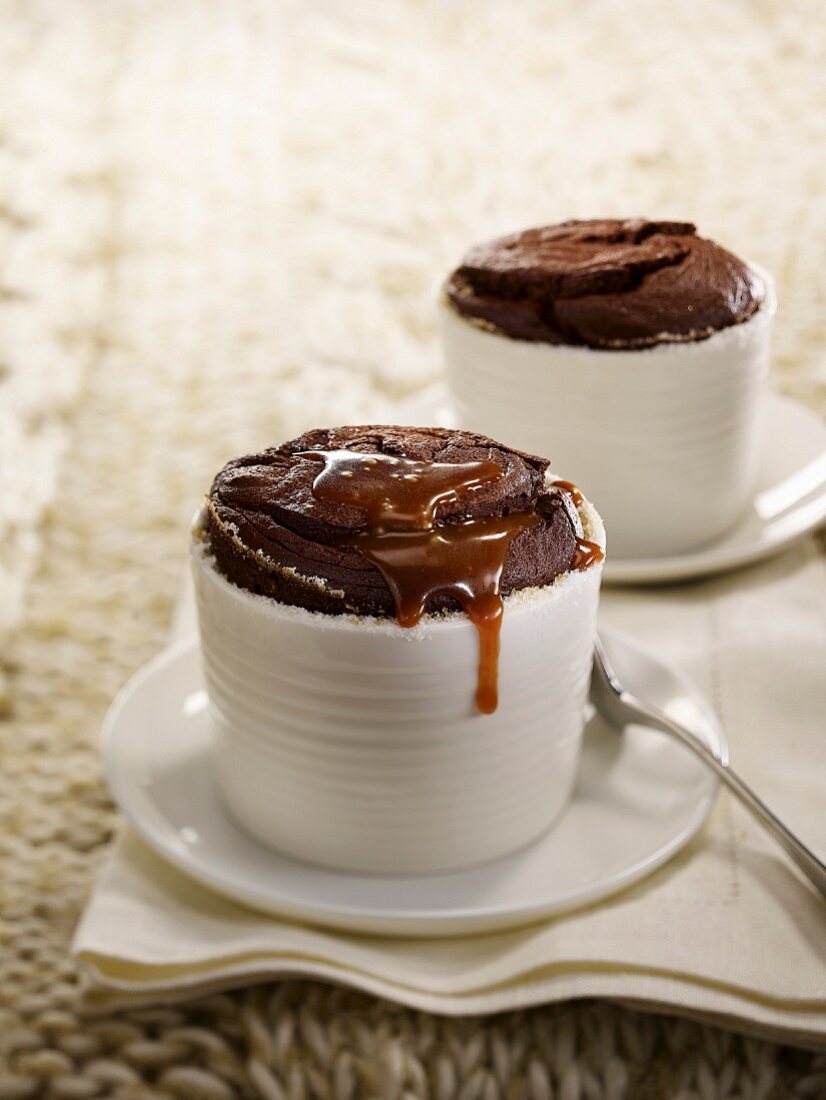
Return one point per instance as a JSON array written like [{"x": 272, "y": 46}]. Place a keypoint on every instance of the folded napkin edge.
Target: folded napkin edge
[
  {"x": 674, "y": 997},
  {"x": 116, "y": 973}
]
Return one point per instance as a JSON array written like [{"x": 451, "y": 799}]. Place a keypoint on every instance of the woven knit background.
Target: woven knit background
[{"x": 220, "y": 222}]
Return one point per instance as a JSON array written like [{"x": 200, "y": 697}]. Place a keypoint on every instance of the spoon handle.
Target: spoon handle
[{"x": 805, "y": 859}]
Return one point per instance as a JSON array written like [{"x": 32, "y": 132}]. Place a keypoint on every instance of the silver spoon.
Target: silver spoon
[{"x": 621, "y": 708}]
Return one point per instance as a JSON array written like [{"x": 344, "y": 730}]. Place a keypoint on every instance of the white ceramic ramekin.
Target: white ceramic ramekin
[
  {"x": 666, "y": 439},
  {"x": 356, "y": 744}
]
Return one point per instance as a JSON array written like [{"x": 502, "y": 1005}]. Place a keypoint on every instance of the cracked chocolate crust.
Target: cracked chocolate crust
[
  {"x": 269, "y": 535},
  {"x": 605, "y": 283}
]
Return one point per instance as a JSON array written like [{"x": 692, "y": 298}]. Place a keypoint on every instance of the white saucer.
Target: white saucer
[
  {"x": 790, "y": 499},
  {"x": 639, "y": 798}
]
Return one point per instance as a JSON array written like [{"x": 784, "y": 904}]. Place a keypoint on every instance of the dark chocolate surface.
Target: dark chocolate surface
[
  {"x": 605, "y": 284},
  {"x": 271, "y": 536}
]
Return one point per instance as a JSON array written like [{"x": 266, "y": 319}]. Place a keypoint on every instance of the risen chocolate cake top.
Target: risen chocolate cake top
[
  {"x": 605, "y": 283},
  {"x": 271, "y": 535}
]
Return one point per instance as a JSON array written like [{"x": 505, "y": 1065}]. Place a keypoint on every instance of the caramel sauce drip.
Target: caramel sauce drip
[
  {"x": 569, "y": 487},
  {"x": 587, "y": 553},
  {"x": 419, "y": 559}
]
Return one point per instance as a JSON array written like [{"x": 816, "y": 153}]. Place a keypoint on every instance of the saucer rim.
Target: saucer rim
[{"x": 403, "y": 921}]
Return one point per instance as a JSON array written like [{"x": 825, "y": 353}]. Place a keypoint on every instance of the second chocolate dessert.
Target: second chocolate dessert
[
  {"x": 605, "y": 283},
  {"x": 636, "y": 352}
]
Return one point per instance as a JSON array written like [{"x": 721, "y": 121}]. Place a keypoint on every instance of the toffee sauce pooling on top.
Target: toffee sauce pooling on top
[{"x": 420, "y": 559}]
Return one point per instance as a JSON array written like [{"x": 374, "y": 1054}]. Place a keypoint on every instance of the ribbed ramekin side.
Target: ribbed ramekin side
[{"x": 394, "y": 779}]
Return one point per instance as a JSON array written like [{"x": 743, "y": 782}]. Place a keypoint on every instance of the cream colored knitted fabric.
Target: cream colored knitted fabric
[{"x": 220, "y": 221}]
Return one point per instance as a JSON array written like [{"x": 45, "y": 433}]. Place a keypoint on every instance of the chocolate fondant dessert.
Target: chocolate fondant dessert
[
  {"x": 349, "y": 727},
  {"x": 271, "y": 532},
  {"x": 605, "y": 283}
]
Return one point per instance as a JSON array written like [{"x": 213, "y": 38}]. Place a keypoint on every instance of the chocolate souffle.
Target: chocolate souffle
[
  {"x": 605, "y": 283},
  {"x": 350, "y": 726},
  {"x": 271, "y": 535}
]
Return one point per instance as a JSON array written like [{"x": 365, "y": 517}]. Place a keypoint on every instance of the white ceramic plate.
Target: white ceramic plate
[
  {"x": 639, "y": 798},
  {"x": 789, "y": 501}
]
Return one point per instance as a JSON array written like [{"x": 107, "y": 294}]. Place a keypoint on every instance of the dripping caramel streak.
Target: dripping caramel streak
[
  {"x": 569, "y": 487},
  {"x": 418, "y": 559},
  {"x": 464, "y": 561},
  {"x": 586, "y": 554},
  {"x": 486, "y": 616}
]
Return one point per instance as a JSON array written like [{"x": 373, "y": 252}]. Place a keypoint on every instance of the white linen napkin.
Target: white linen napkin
[{"x": 727, "y": 931}]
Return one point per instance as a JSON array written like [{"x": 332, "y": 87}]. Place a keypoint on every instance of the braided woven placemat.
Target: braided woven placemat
[{"x": 220, "y": 222}]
